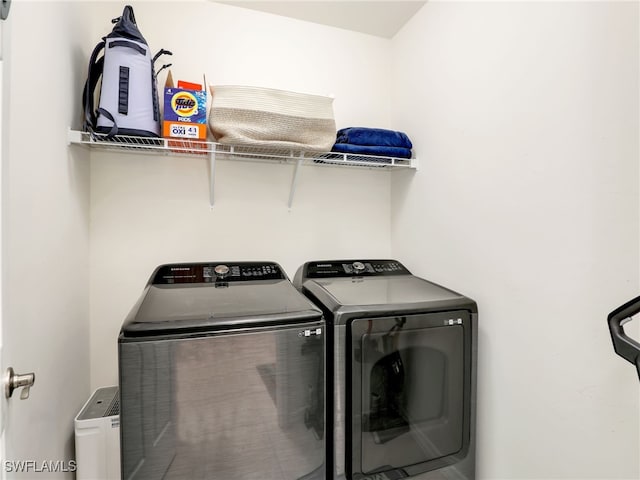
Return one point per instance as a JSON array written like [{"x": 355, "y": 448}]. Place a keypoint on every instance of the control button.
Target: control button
[
  {"x": 358, "y": 267},
  {"x": 221, "y": 271}
]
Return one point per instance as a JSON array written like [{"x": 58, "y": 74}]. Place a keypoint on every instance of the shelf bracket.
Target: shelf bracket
[
  {"x": 212, "y": 176},
  {"x": 294, "y": 180}
]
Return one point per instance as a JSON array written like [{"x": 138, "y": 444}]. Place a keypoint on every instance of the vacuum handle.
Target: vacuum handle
[{"x": 625, "y": 346}]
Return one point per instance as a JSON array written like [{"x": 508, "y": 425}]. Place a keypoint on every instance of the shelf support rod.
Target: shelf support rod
[
  {"x": 212, "y": 175},
  {"x": 73, "y": 136},
  {"x": 294, "y": 180}
]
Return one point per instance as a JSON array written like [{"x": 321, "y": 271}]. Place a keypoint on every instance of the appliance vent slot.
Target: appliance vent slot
[{"x": 114, "y": 408}]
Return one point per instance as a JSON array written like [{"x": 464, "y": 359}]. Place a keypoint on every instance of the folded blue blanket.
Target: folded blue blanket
[
  {"x": 373, "y": 136},
  {"x": 395, "y": 152}
]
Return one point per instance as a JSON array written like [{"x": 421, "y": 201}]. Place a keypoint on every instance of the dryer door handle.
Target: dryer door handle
[{"x": 625, "y": 346}]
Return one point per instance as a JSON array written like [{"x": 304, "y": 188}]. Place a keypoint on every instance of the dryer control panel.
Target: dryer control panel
[
  {"x": 357, "y": 268},
  {"x": 217, "y": 272}
]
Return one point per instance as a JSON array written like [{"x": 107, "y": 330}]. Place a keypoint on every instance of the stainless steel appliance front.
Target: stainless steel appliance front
[
  {"x": 404, "y": 371},
  {"x": 407, "y": 400},
  {"x": 242, "y": 398},
  {"x": 236, "y": 405}
]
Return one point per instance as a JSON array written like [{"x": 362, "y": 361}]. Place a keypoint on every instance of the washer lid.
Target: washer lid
[
  {"x": 396, "y": 290},
  {"x": 350, "y": 288},
  {"x": 179, "y": 299}
]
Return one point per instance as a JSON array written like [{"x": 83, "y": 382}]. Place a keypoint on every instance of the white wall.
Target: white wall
[
  {"x": 46, "y": 234},
  {"x": 151, "y": 210},
  {"x": 525, "y": 117}
]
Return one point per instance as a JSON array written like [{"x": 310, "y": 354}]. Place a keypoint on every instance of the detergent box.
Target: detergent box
[{"x": 185, "y": 115}]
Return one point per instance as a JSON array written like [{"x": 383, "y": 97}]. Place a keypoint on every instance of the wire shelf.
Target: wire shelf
[{"x": 166, "y": 146}]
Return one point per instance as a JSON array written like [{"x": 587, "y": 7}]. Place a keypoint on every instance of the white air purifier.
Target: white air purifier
[{"x": 97, "y": 432}]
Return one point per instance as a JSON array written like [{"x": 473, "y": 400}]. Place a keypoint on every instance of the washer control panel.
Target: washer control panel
[
  {"x": 217, "y": 272},
  {"x": 355, "y": 268}
]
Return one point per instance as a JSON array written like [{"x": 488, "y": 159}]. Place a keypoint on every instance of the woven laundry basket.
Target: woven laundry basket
[{"x": 270, "y": 118}]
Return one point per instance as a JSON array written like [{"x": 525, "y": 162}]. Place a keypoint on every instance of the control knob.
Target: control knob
[
  {"x": 221, "y": 271},
  {"x": 358, "y": 267}
]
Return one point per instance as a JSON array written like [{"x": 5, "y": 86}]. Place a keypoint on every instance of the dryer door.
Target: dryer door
[{"x": 410, "y": 395}]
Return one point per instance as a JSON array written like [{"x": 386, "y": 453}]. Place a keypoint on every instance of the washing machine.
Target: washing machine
[
  {"x": 221, "y": 375},
  {"x": 402, "y": 355}
]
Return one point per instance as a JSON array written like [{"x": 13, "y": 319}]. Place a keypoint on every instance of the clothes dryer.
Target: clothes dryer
[
  {"x": 402, "y": 355},
  {"x": 221, "y": 375}
]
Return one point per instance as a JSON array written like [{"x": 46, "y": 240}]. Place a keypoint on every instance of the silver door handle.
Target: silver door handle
[{"x": 13, "y": 381}]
